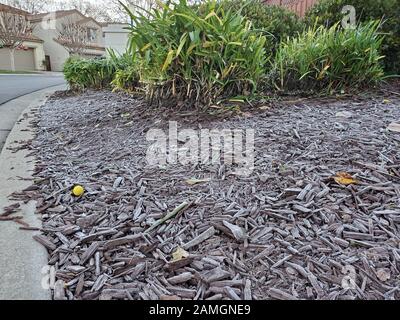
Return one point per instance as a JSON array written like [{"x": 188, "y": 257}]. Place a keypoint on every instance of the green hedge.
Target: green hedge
[
  {"x": 328, "y": 13},
  {"x": 82, "y": 73},
  {"x": 127, "y": 79},
  {"x": 277, "y": 23},
  {"x": 330, "y": 59}
]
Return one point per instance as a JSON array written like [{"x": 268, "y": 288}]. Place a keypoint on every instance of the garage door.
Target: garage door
[
  {"x": 24, "y": 60},
  {"x": 4, "y": 59}
]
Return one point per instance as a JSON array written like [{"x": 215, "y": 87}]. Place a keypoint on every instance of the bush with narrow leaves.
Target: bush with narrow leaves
[
  {"x": 82, "y": 73},
  {"x": 196, "y": 55},
  {"x": 329, "y": 12},
  {"x": 277, "y": 23},
  {"x": 325, "y": 60}
]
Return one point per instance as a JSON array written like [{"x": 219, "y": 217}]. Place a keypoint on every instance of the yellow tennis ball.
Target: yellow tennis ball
[{"x": 77, "y": 191}]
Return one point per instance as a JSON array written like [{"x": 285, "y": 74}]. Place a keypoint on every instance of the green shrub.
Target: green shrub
[
  {"x": 276, "y": 22},
  {"x": 82, "y": 73},
  {"x": 330, "y": 59},
  {"x": 328, "y": 13},
  {"x": 196, "y": 54},
  {"x": 126, "y": 79}
]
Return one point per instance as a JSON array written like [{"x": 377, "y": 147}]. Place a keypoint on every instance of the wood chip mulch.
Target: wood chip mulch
[{"x": 288, "y": 231}]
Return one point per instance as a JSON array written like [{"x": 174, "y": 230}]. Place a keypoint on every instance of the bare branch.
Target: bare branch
[
  {"x": 31, "y": 6},
  {"x": 119, "y": 13},
  {"x": 14, "y": 29},
  {"x": 73, "y": 37}
]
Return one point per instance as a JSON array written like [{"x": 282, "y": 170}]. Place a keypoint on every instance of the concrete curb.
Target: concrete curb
[
  {"x": 27, "y": 94},
  {"x": 46, "y": 74},
  {"x": 21, "y": 258}
]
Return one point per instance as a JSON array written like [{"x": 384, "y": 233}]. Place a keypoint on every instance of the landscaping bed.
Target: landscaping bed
[{"x": 300, "y": 232}]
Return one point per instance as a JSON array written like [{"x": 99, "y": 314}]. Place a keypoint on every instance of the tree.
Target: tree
[
  {"x": 73, "y": 37},
  {"x": 98, "y": 11},
  {"x": 14, "y": 29},
  {"x": 103, "y": 11},
  {"x": 31, "y": 6},
  {"x": 118, "y": 12}
]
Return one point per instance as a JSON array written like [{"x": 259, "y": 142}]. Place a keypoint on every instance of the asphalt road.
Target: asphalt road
[
  {"x": 16, "y": 92},
  {"x": 14, "y": 86}
]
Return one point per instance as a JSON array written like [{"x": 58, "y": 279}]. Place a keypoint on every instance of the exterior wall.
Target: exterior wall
[
  {"x": 57, "y": 53},
  {"x": 76, "y": 18},
  {"x": 99, "y": 35},
  {"x": 38, "y": 54},
  {"x": 116, "y": 37},
  {"x": 298, "y": 6}
]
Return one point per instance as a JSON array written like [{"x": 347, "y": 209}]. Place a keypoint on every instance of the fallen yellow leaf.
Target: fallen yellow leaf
[
  {"x": 179, "y": 254},
  {"x": 344, "y": 178}
]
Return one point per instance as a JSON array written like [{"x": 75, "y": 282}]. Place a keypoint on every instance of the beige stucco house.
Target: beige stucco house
[
  {"x": 45, "y": 50},
  {"x": 48, "y": 26},
  {"x": 116, "y": 37},
  {"x": 29, "y": 56}
]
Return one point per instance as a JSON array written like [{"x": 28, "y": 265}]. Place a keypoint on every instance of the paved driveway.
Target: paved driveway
[{"x": 14, "y": 86}]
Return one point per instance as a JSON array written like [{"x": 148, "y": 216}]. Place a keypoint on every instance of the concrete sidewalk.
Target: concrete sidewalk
[{"x": 21, "y": 258}]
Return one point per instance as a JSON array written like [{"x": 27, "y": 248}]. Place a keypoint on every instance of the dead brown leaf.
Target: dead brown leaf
[{"x": 345, "y": 179}]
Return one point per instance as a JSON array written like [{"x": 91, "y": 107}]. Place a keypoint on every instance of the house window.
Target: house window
[{"x": 92, "y": 34}]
